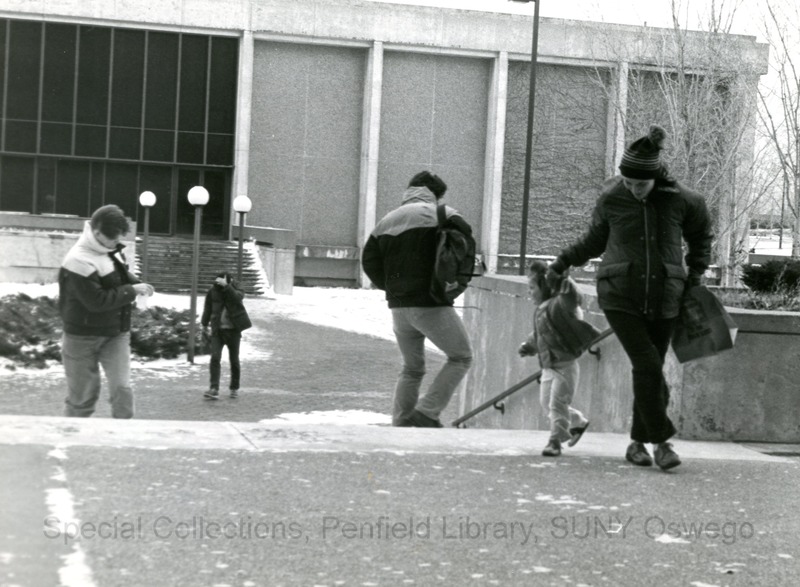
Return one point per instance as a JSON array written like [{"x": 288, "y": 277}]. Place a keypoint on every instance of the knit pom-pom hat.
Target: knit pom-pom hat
[{"x": 642, "y": 158}]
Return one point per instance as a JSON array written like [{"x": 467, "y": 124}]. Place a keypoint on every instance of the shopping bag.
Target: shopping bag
[{"x": 704, "y": 328}]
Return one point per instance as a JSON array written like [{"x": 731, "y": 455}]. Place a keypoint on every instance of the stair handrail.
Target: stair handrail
[{"x": 493, "y": 402}]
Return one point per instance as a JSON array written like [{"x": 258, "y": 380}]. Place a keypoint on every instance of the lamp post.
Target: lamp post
[
  {"x": 198, "y": 197},
  {"x": 242, "y": 205},
  {"x": 526, "y": 186},
  {"x": 147, "y": 200}
]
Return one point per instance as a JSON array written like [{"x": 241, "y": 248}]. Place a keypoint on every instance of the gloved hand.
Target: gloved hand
[
  {"x": 693, "y": 280},
  {"x": 526, "y": 350}
]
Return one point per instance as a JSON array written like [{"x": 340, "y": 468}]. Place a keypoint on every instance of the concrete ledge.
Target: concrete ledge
[
  {"x": 277, "y": 436},
  {"x": 747, "y": 394}
]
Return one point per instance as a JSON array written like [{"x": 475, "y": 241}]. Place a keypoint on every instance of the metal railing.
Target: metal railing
[{"x": 497, "y": 401}]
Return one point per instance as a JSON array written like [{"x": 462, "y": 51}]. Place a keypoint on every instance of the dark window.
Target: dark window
[
  {"x": 97, "y": 181},
  {"x": 56, "y": 138},
  {"x": 190, "y": 147},
  {"x": 16, "y": 184},
  {"x": 23, "y": 70},
  {"x": 157, "y": 179},
  {"x": 20, "y": 136},
  {"x": 214, "y": 211},
  {"x": 121, "y": 188},
  {"x": 124, "y": 143},
  {"x": 58, "y": 82},
  {"x": 222, "y": 90},
  {"x": 126, "y": 96},
  {"x": 162, "y": 80},
  {"x": 3, "y": 25},
  {"x": 159, "y": 145},
  {"x": 194, "y": 57},
  {"x": 46, "y": 186},
  {"x": 73, "y": 187},
  {"x": 90, "y": 141},
  {"x": 220, "y": 150},
  {"x": 93, "y": 70}
]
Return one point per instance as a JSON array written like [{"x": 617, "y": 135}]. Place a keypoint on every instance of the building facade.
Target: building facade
[{"x": 320, "y": 111}]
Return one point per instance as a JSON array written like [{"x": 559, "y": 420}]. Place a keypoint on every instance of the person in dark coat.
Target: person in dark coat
[
  {"x": 225, "y": 313},
  {"x": 399, "y": 258},
  {"x": 96, "y": 291},
  {"x": 639, "y": 225}
]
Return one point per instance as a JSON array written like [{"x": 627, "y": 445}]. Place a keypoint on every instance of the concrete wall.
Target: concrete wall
[
  {"x": 748, "y": 393},
  {"x": 35, "y": 256}
]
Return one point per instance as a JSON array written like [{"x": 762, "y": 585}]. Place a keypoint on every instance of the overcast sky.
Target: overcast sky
[{"x": 634, "y": 12}]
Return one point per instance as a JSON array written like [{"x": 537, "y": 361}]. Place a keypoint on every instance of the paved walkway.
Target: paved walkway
[
  {"x": 195, "y": 493},
  {"x": 292, "y": 367}
]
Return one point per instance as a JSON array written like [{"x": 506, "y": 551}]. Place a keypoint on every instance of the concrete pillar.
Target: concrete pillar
[
  {"x": 370, "y": 140},
  {"x": 244, "y": 109},
  {"x": 495, "y": 153}
]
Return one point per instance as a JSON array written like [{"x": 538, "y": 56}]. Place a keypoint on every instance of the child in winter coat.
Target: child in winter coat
[{"x": 559, "y": 337}]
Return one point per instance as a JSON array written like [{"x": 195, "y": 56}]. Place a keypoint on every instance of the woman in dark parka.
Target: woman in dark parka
[{"x": 639, "y": 224}]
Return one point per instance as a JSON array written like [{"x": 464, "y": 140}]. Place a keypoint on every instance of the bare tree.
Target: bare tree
[
  {"x": 780, "y": 105},
  {"x": 701, "y": 87}
]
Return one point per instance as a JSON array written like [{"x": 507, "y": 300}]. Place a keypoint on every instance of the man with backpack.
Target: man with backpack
[{"x": 400, "y": 257}]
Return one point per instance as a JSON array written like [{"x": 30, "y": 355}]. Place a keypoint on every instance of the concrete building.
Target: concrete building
[{"x": 320, "y": 111}]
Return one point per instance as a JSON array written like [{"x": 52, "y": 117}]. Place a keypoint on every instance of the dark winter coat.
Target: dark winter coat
[
  {"x": 227, "y": 298},
  {"x": 95, "y": 288},
  {"x": 642, "y": 268},
  {"x": 559, "y": 332},
  {"x": 399, "y": 255}
]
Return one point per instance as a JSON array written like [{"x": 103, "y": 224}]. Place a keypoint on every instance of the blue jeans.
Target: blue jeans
[
  {"x": 556, "y": 390},
  {"x": 82, "y": 357},
  {"x": 646, "y": 343},
  {"x": 220, "y": 339},
  {"x": 443, "y": 327}
]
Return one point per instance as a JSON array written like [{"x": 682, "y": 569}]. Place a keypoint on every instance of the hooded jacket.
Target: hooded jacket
[
  {"x": 559, "y": 332},
  {"x": 641, "y": 242},
  {"x": 399, "y": 255},
  {"x": 95, "y": 288}
]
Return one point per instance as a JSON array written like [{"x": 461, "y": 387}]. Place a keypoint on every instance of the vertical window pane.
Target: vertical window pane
[
  {"x": 162, "y": 80},
  {"x": 220, "y": 150},
  {"x": 222, "y": 90},
  {"x": 73, "y": 190},
  {"x": 93, "y": 71},
  {"x": 121, "y": 188},
  {"x": 3, "y": 25},
  {"x": 58, "y": 82},
  {"x": 45, "y": 185},
  {"x": 126, "y": 98},
  {"x": 192, "y": 113},
  {"x": 124, "y": 143},
  {"x": 56, "y": 138},
  {"x": 190, "y": 147},
  {"x": 214, "y": 212},
  {"x": 90, "y": 141},
  {"x": 159, "y": 145},
  {"x": 16, "y": 184},
  {"x": 23, "y": 70},
  {"x": 20, "y": 136},
  {"x": 98, "y": 180}
]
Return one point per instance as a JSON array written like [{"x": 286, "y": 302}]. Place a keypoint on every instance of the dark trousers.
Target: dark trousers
[
  {"x": 219, "y": 339},
  {"x": 646, "y": 343}
]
